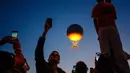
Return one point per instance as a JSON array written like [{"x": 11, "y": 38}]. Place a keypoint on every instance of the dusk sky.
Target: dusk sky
[{"x": 28, "y": 18}]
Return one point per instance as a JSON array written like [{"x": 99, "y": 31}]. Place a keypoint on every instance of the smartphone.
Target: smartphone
[
  {"x": 97, "y": 55},
  {"x": 15, "y": 34},
  {"x": 49, "y": 22},
  {"x": 74, "y": 67}
]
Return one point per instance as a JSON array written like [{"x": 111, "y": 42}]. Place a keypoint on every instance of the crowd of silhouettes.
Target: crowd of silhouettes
[{"x": 112, "y": 58}]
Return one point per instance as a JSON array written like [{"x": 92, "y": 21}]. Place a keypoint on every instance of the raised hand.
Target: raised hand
[
  {"x": 11, "y": 40},
  {"x": 47, "y": 26},
  {"x": 5, "y": 40}
]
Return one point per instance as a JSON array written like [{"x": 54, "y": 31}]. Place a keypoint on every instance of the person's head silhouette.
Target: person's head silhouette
[
  {"x": 54, "y": 57},
  {"x": 81, "y": 67},
  {"x": 6, "y": 60}
]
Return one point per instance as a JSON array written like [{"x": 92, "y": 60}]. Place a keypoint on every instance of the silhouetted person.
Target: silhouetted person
[
  {"x": 15, "y": 60},
  {"x": 105, "y": 64},
  {"x": 54, "y": 59},
  {"x": 104, "y": 16},
  {"x": 81, "y": 67},
  {"x": 125, "y": 53}
]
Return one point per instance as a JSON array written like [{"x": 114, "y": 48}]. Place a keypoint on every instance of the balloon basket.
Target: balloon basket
[{"x": 75, "y": 47}]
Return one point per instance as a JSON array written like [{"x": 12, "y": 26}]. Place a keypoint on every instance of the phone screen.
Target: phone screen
[
  {"x": 74, "y": 67},
  {"x": 97, "y": 55},
  {"x": 15, "y": 34}
]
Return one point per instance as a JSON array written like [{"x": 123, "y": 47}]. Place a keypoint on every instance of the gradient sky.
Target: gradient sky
[{"x": 28, "y": 17}]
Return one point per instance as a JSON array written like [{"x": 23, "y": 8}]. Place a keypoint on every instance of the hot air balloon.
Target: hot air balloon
[{"x": 75, "y": 33}]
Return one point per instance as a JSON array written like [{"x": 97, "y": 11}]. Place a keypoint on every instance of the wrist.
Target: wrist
[{"x": 44, "y": 34}]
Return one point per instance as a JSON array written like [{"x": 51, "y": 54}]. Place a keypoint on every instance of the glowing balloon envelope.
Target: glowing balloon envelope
[{"x": 75, "y": 33}]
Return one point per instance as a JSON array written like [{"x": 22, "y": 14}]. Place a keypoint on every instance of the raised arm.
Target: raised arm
[
  {"x": 39, "y": 51},
  {"x": 95, "y": 15},
  {"x": 19, "y": 57},
  {"x": 95, "y": 20},
  {"x": 114, "y": 12}
]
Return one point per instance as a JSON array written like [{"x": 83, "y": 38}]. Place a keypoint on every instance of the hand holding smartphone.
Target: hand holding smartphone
[
  {"x": 74, "y": 67},
  {"x": 48, "y": 22},
  {"x": 97, "y": 55}
]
